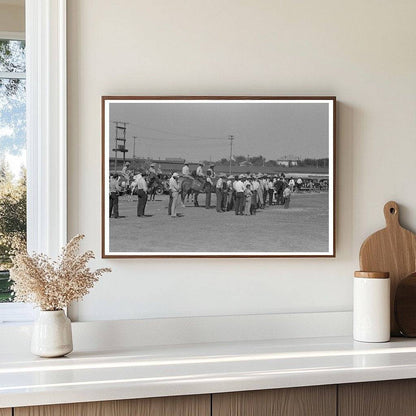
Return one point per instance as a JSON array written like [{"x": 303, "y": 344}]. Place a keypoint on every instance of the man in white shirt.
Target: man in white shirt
[
  {"x": 208, "y": 187},
  {"x": 210, "y": 171},
  {"x": 125, "y": 172},
  {"x": 199, "y": 170},
  {"x": 239, "y": 196},
  {"x": 265, "y": 190},
  {"x": 299, "y": 183},
  {"x": 174, "y": 189},
  {"x": 291, "y": 184},
  {"x": 219, "y": 193},
  {"x": 185, "y": 170},
  {"x": 141, "y": 193},
  {"x": 114, "y": 190},
  {"x": 229, "y": 192},
  {"x": 255, "y": 189},
  {"x": 260, "y": 191},
  {"x": 270, "y": 190},
  {"x": 152, "y": 168}
]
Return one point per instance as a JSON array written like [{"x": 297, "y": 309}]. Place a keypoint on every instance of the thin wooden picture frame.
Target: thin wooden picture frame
[{"x": 128, "y": 114}]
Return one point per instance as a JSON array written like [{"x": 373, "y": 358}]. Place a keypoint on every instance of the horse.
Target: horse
[
  {"x": 192, "y": 185},
  {"x": 153, "y": 184}
]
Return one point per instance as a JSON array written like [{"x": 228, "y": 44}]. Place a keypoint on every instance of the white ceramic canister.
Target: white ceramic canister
[
  {"x": 52, "y": 334},
  {"x": 371, "y": 313}
]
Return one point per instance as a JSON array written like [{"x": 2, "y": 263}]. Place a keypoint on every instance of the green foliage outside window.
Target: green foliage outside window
[
  {"x": 12, "y": 223},
  {"x": 12, "y": 145}
]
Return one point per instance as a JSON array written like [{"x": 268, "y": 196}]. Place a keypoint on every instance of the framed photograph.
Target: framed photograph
[{"x": 218, "y": 176}]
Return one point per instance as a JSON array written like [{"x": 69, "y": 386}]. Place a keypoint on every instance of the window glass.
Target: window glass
[
  {"x": 12, "y": 156},
  {"x": 12, "y": 56}
]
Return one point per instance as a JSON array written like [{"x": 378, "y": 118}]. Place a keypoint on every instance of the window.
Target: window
[
  {"x": 45, "y": 90},
  {"x": 12, "y": 153}
]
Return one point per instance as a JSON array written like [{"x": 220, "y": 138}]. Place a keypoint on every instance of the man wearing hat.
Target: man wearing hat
[
  {"x": 280, "y": 186},
  {"x": 199, "y": 170},
  {"x": 210, "y": 171},
  {"x": 254, "y": 189},
  {"x": 208, "y": 188},
  {"x": 152, "y": 169},
  {"x": 270, "y": 190},
  {"x": 265, "y": 182},
  {"x": 185, "y": 170},
  {"x": 239, "y": 195},
  {"x": 291, "y": 184},
  {"x": 260, "y": 191},
  {"x": 299, "y": 184},
  {"x": 286, "y": 196},
  {"x": 141, "y": 193},
  {"x": 114, "y": 190},
  {"x": 174, "y": 190},
  {"x": 125, "y": 173},
  {"x": 219, "y": 191},
  {"x": 124, "y": 170},
  {"x": 246, "y": 181},
  {"x": 229, "y": 193}
]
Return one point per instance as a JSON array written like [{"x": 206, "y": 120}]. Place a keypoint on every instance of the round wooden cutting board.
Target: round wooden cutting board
[{"x": 393, "y": 250}]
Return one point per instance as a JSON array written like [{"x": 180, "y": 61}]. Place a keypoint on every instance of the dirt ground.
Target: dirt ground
[{"x": 301, "y": 228}]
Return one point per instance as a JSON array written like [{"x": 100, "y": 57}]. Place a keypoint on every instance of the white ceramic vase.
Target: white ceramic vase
[{"x": 52, "y": 334}]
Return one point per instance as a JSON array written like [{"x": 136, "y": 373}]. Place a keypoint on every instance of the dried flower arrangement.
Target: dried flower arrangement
[{"x": 53, "y": 285}]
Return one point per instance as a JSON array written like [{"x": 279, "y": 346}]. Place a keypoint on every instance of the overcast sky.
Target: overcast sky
[{"x": 199, "y": 131}]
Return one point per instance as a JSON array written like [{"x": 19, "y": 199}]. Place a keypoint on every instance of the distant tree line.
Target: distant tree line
[
  {"x": 261, "y": 161},
  {"x": 12, "y": 223},
  {"x": 319, "y": 163},
  {"x": 12, "y": 213}
]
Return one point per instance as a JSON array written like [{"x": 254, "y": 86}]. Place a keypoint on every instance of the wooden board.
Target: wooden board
[
  {"x": 381, "y": 398},
  {"x": 405, "y": 306},
  {"x": 300, "y": 401},
  {"x": 393, "y": 250},
  {"x": 5, "y": 412},
  {"x": 160, "y": 406}
]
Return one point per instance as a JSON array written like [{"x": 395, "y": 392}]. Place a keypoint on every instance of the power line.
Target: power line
[
  {"x": 181, "y": 135},
  {"x": 172, "y": 138}
]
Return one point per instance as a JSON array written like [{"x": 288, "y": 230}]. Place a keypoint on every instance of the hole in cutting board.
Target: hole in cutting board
[{"x": 392, "y": 211}]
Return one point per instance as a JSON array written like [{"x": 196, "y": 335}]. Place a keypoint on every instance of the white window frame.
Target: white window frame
[
  {"x": 14, "y": 312},
  {"x": 46, "y": 127}
]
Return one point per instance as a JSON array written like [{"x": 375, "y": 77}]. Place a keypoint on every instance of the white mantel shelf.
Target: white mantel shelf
[{"x": 152, "y": 371}]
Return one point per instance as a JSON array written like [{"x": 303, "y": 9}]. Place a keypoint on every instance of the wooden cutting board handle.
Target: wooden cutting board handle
[
  {"x": 391, "y": 214},
  {"x": 393, "y": 250}
]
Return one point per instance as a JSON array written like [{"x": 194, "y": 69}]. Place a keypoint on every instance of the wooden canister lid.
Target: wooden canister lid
[{"x": 372, "y": 275}]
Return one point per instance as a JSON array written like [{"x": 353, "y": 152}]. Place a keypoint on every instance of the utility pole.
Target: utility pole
[
  {"x": 120, "y": 141},
  {"x": 231, "y": 138},
  {"x": 134, "y": 147}
]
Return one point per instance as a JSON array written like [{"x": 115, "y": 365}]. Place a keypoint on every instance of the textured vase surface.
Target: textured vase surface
[{"x": 52, "y": 334}]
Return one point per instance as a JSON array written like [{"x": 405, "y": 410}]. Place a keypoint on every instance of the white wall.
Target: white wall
[
  {"x": 12, "y": 18},
  {"x": 361, "y": 51}
]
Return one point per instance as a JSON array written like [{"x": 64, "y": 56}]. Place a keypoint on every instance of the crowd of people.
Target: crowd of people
[
  {"x": 243, "y": 194},
  {"x": 119, "y": 182}
]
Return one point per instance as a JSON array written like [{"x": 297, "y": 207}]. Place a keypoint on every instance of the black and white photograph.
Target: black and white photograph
[{"x": 218, "y": 176}]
